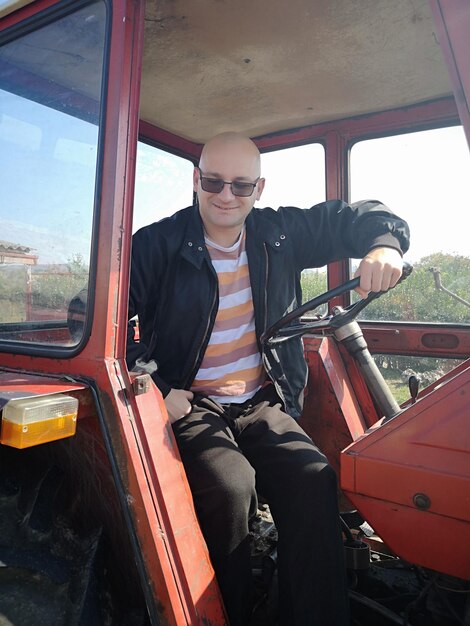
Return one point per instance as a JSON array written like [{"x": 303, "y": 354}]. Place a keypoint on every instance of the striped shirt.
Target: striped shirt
[{"x": 231, "y": 370}]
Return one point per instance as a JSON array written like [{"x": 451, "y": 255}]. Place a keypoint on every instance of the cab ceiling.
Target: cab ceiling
[{"x": 260, "y": 66}]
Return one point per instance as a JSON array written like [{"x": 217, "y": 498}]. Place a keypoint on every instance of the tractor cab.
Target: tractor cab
[{"x": 104, "y": 108}]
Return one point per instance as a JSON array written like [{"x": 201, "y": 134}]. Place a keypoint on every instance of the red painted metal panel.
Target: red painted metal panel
[
  {"x": 424, "y": 450},
  {"x": 190, "y": 564},
  {"x": 177, "y": 145},
  {"x": 418, "y": 339},
  {"x": 14, "y": 385},
  {"x": 126, "y": 158},
  {"x": 442, "y": 112},
  {"x": 172, "y": 547},
  {"x": 409, "y": 479},
  {"x": 114, "y": 232},
  {"x": 332, "y": 415},
  {"x": 421, "y": 538}
]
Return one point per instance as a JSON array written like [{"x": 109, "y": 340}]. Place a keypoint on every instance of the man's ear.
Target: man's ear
[
  {"x": 195, "y": 179},
  {"x": 260, "y": 188}
]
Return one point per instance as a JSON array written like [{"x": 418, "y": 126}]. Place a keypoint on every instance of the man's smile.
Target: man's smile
[{"x": 225, "y": 208}]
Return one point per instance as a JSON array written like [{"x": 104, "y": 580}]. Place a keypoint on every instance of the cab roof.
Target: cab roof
[{"x": 270, "y": 65}]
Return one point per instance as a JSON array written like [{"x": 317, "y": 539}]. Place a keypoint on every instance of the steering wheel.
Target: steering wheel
[
  {"x": 287, "y": 327},
  {"x": 343, "y": 326}
]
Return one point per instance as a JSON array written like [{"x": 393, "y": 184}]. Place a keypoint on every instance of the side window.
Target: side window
[
  {"x": 163, "y": 185},
  {"x": 296, "y": 177},
  {"x": 424, "y": 178},
  {"x": 49, "y": 124}
]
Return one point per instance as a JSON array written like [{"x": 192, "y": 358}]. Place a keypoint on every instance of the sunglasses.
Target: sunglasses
[{"x": 216, "y": 185}]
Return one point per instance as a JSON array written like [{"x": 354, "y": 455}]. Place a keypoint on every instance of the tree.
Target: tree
[
  {"x": 416, "y": 299},
  {"x": 314, "y": 282}
]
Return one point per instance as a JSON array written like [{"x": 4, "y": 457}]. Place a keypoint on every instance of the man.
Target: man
[{"x": 205, "y": 284}]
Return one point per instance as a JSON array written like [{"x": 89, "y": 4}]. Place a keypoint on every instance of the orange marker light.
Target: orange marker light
[{"x": 35, "y": 420}]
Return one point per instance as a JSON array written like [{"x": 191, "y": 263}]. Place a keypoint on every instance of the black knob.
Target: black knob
[{"x": 413, "y": 385}]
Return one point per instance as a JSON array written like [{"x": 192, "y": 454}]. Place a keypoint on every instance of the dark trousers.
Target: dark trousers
[{"x": 231, "y": 452}]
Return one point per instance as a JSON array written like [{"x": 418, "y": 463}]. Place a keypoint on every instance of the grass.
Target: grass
[{"x": 399, "y": 389}]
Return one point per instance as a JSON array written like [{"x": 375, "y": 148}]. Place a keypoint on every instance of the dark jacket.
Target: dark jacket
[{"x": 174, "y": 288}]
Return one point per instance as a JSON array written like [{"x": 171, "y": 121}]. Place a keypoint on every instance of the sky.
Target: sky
[
  {"x": 47, "y": 172},
  {"x": 424, "y": 177}
]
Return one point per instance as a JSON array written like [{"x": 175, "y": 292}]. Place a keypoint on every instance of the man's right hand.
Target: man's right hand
[{"x": 178, "y": 403}]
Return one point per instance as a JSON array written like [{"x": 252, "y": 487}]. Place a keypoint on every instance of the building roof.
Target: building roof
[{"x": 8, "y": 246}]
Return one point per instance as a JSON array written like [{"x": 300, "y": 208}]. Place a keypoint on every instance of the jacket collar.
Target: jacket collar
[
  {"x": 259, "y": 229},
  {"x": 262, "y": 230}
]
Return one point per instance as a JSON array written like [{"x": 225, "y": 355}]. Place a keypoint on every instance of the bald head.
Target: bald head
[
  {"x": 227, "y": 158},
  {"x": 235, "y": 148}
]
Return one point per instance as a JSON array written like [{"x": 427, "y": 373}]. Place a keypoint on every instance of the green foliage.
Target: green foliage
[
  {"x": 417, "y": 300},
  {"x": 314, "y": 283}
]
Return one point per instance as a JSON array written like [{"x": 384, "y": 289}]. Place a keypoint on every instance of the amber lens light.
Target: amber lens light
[{"x": 38, "y": 419}]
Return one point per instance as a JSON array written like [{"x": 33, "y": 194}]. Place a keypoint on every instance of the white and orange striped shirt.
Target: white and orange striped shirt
[{"x": 231, "y": 370}]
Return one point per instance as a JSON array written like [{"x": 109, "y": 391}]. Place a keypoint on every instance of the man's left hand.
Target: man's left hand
[{"x": 379, "y": 270}]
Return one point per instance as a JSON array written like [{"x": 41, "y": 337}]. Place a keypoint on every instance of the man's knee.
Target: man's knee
[
  {"x": 317, "y": 480},
  {"x": 327, "y": 476},
  {"x": 236, "y": 491},
  {"x": 223, "y": 485}
]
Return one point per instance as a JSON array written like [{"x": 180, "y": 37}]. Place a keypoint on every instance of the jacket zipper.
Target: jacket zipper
[
  {"x": 266, "y": 288},
  {"x": 265, "y": 358}
]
